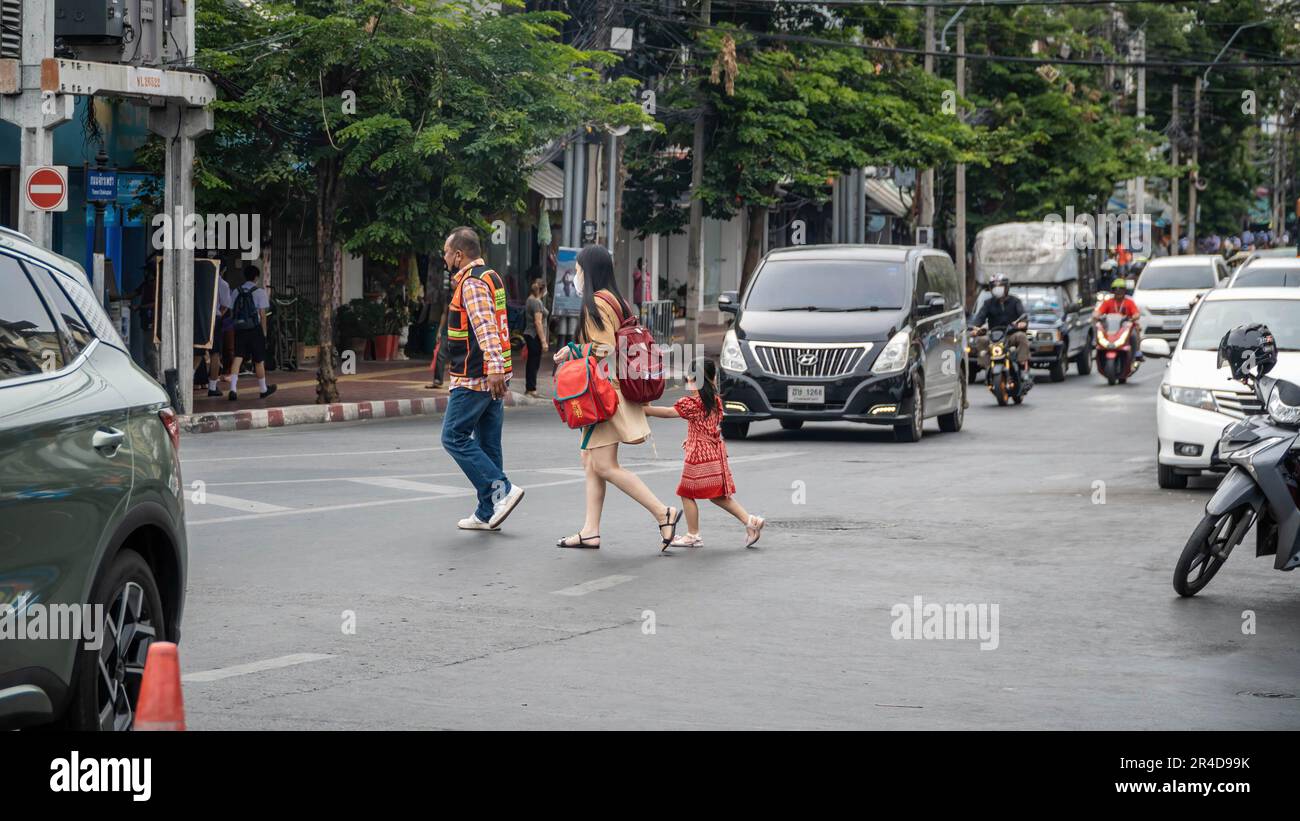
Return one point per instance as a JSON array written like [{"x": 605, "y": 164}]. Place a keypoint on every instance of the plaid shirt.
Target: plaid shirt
[{"x": 481, "y": 307}]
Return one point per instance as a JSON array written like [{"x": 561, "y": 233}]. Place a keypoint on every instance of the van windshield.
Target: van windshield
[{"x": 828, "y": 285}]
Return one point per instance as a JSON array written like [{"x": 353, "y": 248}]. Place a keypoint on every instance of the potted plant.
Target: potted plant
[
  {"x": 309, "y": 323},
  {"x": 396, "y": 317},
  {"x": 359, "y": 320}
]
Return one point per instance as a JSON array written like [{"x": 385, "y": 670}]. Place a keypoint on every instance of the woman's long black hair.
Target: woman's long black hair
[
  {"x": 705, "y": 376},
  {"x": 597, "y": 275}
]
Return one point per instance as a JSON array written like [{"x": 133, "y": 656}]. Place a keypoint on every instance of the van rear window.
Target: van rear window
[{"x": 828, "y": 285}]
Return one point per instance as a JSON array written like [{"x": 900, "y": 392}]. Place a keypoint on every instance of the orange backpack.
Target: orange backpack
[{"x": 584, "y": 393}]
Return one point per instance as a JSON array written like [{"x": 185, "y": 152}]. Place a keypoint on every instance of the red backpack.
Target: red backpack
[
  {"x": 584, "y": 395},
  {"x": 640, "y": 363}
]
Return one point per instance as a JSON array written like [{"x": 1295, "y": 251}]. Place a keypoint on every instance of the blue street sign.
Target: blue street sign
[{"x": 101, "y": 186}]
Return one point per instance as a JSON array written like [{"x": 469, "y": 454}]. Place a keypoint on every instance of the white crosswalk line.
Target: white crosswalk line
[
  {"x": 592, "y": 586},
  {"x": 255, "y": 667},
  {"x": 418, "y": 487},
  {"x": 246, "y": 505}
]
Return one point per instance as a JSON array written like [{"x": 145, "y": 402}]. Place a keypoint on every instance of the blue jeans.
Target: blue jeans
[{"x": 471, "y": 433}]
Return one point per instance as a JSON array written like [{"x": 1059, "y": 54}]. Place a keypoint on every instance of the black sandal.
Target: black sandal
[
  {"x": 582, "y": 541},
  {"x": 672, "y": 534}
]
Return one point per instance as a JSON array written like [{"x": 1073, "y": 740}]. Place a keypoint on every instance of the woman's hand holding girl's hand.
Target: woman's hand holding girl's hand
[{"x": 561, "y": 355}]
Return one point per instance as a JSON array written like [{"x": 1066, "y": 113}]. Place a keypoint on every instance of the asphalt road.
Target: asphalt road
[{"x": 354, "y": 526}]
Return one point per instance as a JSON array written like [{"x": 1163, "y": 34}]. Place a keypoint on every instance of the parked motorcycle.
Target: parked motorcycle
[
  {"x": 1004, "y": 379},
  {"x": 1262, "y": 488},
  {"x": 1115, "y": 360}
]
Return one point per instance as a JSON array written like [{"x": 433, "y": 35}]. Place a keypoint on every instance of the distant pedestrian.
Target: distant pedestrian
[
  {"x": 225, "y": 302},
  {"x": 248, "y": 311},
  {"x": 536, "y": 335},
  {"x": 640, "y": 279},
  {"x": 705, "y": 473},
  {"x": 478, "y": 350}
]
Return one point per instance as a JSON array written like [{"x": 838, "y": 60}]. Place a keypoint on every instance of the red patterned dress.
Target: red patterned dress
[{"x": 705, "y": 475}]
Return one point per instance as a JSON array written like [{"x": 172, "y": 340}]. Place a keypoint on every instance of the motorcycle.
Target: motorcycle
[
  {"x": 1261, "y": 489},
  {"x": 1115, "y": 358},
  {"x": 1003, "y": 377}
]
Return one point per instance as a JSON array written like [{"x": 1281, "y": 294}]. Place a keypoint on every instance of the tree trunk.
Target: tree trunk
[
  {"x": 328, "y": 264},
  {"x": 754, "y": 238}
]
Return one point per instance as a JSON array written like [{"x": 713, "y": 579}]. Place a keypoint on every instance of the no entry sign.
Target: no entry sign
[{"x": 45, "y": 188}]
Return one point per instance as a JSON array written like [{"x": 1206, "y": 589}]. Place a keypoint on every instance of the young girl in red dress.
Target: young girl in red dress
[{"x": 705, "y": 474}]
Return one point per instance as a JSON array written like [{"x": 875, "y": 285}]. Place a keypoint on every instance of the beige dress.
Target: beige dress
[{"x": 628, "y": 424}]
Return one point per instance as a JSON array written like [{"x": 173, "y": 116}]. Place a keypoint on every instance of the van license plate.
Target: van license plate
[{"x": 806, "y": 394}]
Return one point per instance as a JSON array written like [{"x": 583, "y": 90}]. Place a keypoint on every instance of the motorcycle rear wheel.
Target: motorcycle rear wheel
[{"x": 1209, "y": 547}]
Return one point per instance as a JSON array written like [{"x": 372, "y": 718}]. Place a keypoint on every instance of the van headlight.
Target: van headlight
[
  {"x": 1281, "y": 411},
  {"x": 732, "y": 358},
  {"x": 1192, "y": 397},
  {"x": 894, "y": 356}
]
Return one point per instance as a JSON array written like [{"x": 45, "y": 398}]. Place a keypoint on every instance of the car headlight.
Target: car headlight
[
  {"x": 1281, "y": 411},
  {"x": 1192, "y": 397},
  {"x": 894, "y": 357},
  {"x": 732, "y": 359}
]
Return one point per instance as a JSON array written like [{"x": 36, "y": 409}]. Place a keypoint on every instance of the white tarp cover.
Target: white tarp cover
[{"x": 1038, "y": 252}]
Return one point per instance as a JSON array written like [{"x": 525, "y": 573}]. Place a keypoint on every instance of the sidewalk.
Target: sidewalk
[{"x": 376, "y": 390}]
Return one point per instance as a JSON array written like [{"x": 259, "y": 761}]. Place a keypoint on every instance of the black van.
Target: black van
[{"x": 852, "y": 333}]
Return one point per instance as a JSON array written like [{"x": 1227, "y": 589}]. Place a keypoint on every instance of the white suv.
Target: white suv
[
  {"x": 1168, "y": 288},
  {"x": 1198, "y": 398}
]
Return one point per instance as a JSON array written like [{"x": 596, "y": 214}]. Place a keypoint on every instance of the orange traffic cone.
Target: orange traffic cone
[{"x": 160, "y": 706}]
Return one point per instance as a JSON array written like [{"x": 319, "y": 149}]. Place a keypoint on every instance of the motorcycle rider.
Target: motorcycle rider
[
  {"x": 1120, "y": 302},
  {"x": 1003, "y": 310}
]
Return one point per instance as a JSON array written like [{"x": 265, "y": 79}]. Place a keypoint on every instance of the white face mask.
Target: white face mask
[
  {"x": 999, "y": 292},
  {"x": 579, "y": 282}
]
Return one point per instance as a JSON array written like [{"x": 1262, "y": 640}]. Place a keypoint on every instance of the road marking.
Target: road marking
[
  {"x": 595, "y": 584},
  {"x": 1056, "y": 477},
  {"x": 672, "y": 466},
  {"x": 246, "y": 505},
  {"x": 1107, "y": 397},
  {"x": 563, "y": 471},
  {"x": 419, "y": 487},
  {"x": 308, "y": 455},
  {"x": 255, "y": 667}
]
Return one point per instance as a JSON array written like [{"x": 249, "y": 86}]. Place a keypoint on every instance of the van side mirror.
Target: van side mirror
[
  {"x": 933, "y": 303},
  {"x": 728, "y": 302}
]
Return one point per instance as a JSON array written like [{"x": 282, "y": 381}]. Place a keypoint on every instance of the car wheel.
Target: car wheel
[
  {"x": 1057, "y": 370},
  {"x": 951, "y": 422},
  {"x": 791, "y": 424},
  {"x": 735, "y": 430},
  {"x": 1169, "y": 479},
  {"x": 1083, "y": 360},
  {"x": 911, "y": 430},
  {"x": 106, "y": 681}
]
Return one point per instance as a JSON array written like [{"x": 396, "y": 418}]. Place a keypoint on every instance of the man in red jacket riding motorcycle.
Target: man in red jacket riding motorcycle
[{"x": 1120, "y": 302}]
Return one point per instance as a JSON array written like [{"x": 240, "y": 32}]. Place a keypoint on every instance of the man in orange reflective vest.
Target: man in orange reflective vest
[{"x": 478, "y": 346}]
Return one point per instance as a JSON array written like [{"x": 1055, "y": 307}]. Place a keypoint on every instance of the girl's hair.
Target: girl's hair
[
  {"x": 598, "y": 275},
  {"x": 537, "y": 287},
  {"x": 708, "y": 385}
]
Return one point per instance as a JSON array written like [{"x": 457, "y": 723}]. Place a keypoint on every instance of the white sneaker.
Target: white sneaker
[
  {"x": 506, "y": 506},
  {"x": 474, "y": 523}
]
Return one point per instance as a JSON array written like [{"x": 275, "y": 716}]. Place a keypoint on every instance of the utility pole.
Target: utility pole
[
  {"x": 694, "y": 270},
  {"x": 1195, "y": 176},
  {"x": 1138, "y": 52},
  {"x": 961, "y": 166},
  {"x": 927, "y": 175},
  {"x": 1175, "y": 133}
]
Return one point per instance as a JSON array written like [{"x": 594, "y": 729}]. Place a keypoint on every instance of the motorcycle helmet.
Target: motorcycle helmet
[
  {"x": 1119, "y": 287},
  {"x": 1249, "y": 351},
  {"x": 1000, "y": 281}
]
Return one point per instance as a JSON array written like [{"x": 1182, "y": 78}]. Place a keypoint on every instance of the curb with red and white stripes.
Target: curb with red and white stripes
[{"x": 337, "y": 412}]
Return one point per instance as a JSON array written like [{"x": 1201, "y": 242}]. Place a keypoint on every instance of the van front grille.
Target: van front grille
[{"x": 808, "y": 361}]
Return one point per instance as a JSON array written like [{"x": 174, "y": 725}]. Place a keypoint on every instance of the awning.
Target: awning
[
  {"x": 887, "y": 196},
  {"x": 547, "y": 179}
]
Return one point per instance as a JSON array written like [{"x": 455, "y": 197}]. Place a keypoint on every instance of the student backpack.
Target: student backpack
[
  {"x": 640, "y": 370},
  {"x": 244, "y": 311}
]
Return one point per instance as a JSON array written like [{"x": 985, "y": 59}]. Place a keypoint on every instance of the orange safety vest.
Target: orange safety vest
[{"x": 465, "y": 354}]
